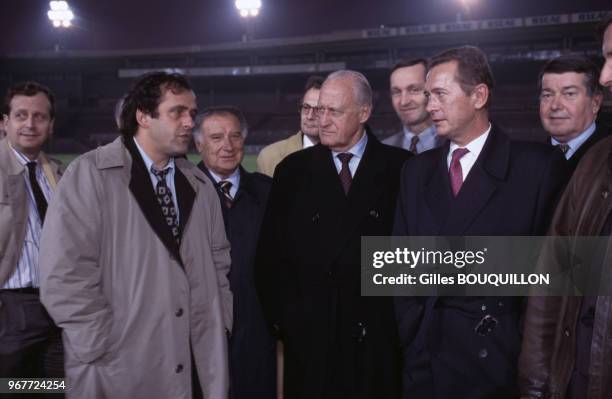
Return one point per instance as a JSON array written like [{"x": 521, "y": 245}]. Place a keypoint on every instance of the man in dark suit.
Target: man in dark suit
[
  {"x": 479, "y": 183},
  {"x": 219, "y": 135},
  {"x": 570, "y": 98},
  {"x": 337, "y": 343}
]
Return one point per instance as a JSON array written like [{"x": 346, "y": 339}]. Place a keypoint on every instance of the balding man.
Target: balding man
[{"x": 338, "y": 344}]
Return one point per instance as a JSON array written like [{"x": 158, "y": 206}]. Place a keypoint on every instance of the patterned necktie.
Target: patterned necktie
[
  {"x": 164, "y": 197},
  {"x": 345, "y": 172},
  {"x": 564, "y": 148},
  {"x": 455, "y": 171},
  {"x": 39, "y": 197},
  {"x": 413, "y": 145},
  {"x": 225, "y": 186}
]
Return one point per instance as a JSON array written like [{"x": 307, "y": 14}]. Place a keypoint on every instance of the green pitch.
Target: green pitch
[{"x": 249, "y": 161}]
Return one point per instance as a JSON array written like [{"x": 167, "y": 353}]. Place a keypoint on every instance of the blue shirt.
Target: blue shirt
[
  {"x": 577, "y": 141},
  {"x": 427, "y": 139},
  {"x": 27, "y": 272},
  {"x": 357, "y": 150},
  {"x": 169, "y": 176}
]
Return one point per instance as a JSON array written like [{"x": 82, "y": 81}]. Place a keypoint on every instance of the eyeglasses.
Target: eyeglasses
[{"x": 305, "y": 109}]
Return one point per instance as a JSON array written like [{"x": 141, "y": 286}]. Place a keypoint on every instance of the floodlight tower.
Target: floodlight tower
[
  {"x": 466, "y": 6},
  {"x": 61, "y": 17},
  {"x": 249, "y": 9},
  {"x": 60, "y": 14}
]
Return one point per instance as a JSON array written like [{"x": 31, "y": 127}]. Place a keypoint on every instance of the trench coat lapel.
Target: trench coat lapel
[{"x": 142, "y": 189}]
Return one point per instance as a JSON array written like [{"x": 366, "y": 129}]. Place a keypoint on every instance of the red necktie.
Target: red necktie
[
  {"x": 345, "y": 172},
  {"x": 455, "y": 172}
]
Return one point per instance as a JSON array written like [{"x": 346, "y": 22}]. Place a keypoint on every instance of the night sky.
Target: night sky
[{"x": 128, "y": 24}]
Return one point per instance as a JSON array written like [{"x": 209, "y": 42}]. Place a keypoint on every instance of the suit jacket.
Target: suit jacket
[
  {"x": 252, "y": 347},
  {"x": 272, "y": 154},
  {"x": 601, "y": 131},
  {"x": 510, "y": 190},
  {"x": 337, "y": 343},
  {"x": 14, "y": 205},
  {"x": 135, "y": 306}
]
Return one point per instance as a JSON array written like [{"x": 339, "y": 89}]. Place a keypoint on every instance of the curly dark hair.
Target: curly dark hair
[{"x": 146, "y": 95}]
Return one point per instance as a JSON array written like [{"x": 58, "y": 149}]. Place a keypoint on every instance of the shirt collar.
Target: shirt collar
[
  {"x": 307, "y": 141},
  {"x": 148, "y": 161},
  {"x": 475, "y": 146},
  {"x": 577, "y": 141},
  {"x": 358, "y": 149},
  {"x": 23, "y": 160},
  {"x": 427, "y": 135},
  {"x": 234, "y": 178}
]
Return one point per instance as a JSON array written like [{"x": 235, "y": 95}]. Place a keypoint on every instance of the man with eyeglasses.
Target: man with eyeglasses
[
  {"x": 407, "y": 83},
  {"x": 308, "y": 135},
  {"x": 337, "y": 344}
]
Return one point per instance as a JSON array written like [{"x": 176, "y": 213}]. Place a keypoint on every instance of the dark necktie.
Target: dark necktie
[
  {"x": 39, "y": 197},
  {"x": 225, "y": 186},
  {"x": 455, "y": 171},
  {"x": 345, "y": 172},
  {"x": 413, "y": 145},
  {"x": 564, "y": 148},
  {"x": 164, "y": 197}
]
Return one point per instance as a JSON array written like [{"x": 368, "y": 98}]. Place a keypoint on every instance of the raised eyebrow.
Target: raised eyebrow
[{"x": 572, "y": 87}]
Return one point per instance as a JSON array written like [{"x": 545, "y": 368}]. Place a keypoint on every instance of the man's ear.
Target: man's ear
[
  {"x": 142, "y": 119},
  {"x": 364, "y": 113},
  {"x": 596, "y": 103},
  {"x": 480, "y": 95}
]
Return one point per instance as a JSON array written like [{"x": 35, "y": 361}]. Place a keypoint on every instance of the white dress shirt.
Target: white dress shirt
[
  {"x": 307, "y": 141},
  {"x": 468, "y": 160},
  {"x": 234, "y": 178},
  {"x": 27, "y": 273}
]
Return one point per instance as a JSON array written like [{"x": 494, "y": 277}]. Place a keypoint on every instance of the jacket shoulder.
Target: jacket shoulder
[{"x": 279, "y": 148}]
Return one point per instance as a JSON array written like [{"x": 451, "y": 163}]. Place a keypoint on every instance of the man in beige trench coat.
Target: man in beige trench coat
[{"x": 134, "y": 259}]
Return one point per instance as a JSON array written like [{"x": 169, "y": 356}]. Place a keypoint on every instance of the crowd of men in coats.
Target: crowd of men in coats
[{"x": 136, "y": 274}]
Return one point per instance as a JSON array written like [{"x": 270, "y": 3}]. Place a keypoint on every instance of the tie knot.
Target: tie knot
[
  {"x": 345, "y": 157},
  {"x": 458, "y": 154},
  {"x": 160, "y": 174},
  {"x": 413, "y": 144},
  {"x": 225, "y": 186},
  {"x": 31, "y": 166},
  {"x": 564, "y": 148}
]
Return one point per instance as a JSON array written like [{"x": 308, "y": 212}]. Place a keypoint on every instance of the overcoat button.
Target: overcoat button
[
  {"x": 315, "y": 218},
  {"x": 604, "y": 194},
  {"x": 374, "y": 214},
  {"x": 179, "y": 312},
  {"x": 483, "y": 353},
  {"x": 178, "y": 368}
]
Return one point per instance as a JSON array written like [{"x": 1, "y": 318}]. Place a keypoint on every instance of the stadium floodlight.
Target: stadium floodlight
[
  {"x": 248, "y": 8},
  {"x": 60, "y": 14}
]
